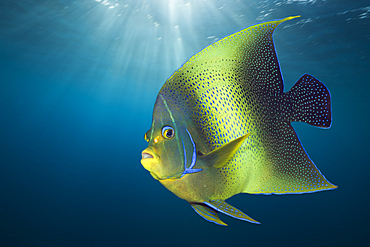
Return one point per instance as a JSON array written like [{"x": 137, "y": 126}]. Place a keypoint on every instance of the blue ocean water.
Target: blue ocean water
[{"x": 78, "y": 81}]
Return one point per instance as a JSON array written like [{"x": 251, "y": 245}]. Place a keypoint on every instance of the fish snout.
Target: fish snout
[
  {"x": 148, "y": 159},
  {"x": 145, "y": 155}
]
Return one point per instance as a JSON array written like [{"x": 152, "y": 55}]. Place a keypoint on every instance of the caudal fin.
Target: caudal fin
[{"x": 310, "y": 101}]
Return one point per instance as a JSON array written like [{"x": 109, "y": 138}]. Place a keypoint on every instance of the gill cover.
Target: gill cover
[{"x": 171, "y": 143}]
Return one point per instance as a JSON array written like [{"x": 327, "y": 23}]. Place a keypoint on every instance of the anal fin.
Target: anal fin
[
  {"x": 225, "y": 208},
  {"x": 207, "y": 213}
]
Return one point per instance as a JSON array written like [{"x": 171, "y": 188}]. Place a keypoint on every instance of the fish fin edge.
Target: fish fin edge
[
  {"x": 225, "y": 208},
  {"x": 207, "y": 213},
  {"x": 288, "y": 192}
]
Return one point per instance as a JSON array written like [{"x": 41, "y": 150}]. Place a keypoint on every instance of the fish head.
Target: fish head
[{"x": 170, "y": 150}]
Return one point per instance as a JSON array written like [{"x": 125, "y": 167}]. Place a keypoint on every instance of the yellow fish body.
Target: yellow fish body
[{"x": 221, "y": 126}]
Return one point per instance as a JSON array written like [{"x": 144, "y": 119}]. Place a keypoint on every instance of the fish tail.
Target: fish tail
[{"x": 310, "y": 102}]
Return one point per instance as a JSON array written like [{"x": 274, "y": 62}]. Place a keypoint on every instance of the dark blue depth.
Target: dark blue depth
[{"x": 78, "y": 81}]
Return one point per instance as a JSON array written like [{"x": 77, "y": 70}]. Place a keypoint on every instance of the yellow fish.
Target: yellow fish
[{"x": 221, "y": 126}]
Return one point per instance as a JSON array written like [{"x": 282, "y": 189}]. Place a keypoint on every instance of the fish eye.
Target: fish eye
[{"x": 168, "y": 132}]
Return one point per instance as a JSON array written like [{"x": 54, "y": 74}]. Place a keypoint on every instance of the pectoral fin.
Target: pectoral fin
[
  {"x": 223, "y": 207},
  {"x": 221, "y": 156},
  {"x": 207, "y": 213}
]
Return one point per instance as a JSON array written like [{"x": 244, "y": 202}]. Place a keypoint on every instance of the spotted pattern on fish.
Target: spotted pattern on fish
[
  {"x": 311, "y": 102},
  {"x": 235, "y": 87},
  {"x": 230, "y": 123}
]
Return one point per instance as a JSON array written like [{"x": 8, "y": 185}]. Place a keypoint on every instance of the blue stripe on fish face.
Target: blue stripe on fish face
[{"x": 193, "y": 159}]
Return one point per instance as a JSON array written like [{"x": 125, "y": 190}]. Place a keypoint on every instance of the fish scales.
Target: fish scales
[
  {"x": 233, "y": 89},
  {"x": 214, "y": 86}
]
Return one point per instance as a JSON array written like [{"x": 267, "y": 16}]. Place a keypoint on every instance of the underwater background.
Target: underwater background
[{"x": 78, "y": 81}]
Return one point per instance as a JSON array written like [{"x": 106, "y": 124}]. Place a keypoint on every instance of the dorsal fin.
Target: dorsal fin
[
  {"x": 243, "y": 65},
  {"x": 250, "y": 50},
  {"x": 221, "y": 156}
]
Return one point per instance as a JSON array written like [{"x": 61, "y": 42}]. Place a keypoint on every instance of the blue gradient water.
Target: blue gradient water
[{"x": 78, "y": 80}]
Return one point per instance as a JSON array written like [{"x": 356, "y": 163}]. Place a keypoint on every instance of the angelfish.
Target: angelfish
[{"x": 222, "y": 126}]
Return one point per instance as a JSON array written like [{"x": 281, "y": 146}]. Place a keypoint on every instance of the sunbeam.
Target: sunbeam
[{"x": 78, "y": 84}]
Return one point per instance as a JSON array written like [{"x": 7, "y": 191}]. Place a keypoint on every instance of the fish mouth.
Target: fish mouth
[
  {"x": 148, "y": 159},
  {"x": 148, "y": 154},
  {"x": 145, "y": 155}
]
